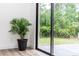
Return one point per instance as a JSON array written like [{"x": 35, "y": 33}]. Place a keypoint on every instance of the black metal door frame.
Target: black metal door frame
[{"x": 51, "y": 32}]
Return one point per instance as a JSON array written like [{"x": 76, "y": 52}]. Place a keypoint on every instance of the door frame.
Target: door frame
[{"x": 51, "y": 32}]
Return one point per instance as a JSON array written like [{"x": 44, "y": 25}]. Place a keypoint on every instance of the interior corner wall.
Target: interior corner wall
[{"x": 8, "y": 11}]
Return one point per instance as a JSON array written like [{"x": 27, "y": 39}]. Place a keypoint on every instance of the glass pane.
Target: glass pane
[
  {"x": 66, "y": 29},
  {"x": 44, "y": 27}
]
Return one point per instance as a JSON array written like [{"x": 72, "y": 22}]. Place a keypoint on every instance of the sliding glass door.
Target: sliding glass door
[
  {"x": 60, "y": 35},
  {"x": 44, "y": 25}
]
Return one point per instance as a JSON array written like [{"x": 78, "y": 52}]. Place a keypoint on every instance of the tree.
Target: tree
[
  {"x": 44, "y": 20},
  {"x": 66, "y": 23},
  {"x": 65, "y": 19}
]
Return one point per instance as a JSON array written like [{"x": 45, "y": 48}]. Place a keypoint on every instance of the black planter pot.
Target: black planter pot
[{"x": 22, "y": 44}]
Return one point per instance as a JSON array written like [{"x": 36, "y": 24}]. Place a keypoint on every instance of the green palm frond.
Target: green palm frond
[{"x": 20, "y": 26}]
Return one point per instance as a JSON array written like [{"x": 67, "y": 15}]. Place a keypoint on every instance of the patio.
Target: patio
[{"x": 66, "y": 50}]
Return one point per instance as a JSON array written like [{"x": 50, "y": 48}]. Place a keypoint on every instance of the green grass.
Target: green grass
[{"x": 58, "y": 41}]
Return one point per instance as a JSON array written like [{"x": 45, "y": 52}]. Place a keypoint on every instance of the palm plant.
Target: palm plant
[{"x": 20, "y": 26}]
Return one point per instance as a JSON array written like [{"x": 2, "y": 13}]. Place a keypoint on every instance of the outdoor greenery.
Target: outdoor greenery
[
  {"x": 20, "y": 26},
  {"x": 66, "y": 23},
  {"x": 66, "y": 20},
  {"x": 45, "y": 21},
  {"x": 58, "y": 41}
]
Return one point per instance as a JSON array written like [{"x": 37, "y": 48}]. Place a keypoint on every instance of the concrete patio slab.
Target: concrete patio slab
[{"x": 66, "y": 50}]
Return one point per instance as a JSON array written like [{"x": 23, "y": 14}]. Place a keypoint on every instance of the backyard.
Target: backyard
[
  {"x": 65, "y": 29},
  {"x": 59, "y": 41},
  {"x": 66, "y": 24}
]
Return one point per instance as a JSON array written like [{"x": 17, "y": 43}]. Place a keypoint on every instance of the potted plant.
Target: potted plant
[{"x": 20, "y": 27}]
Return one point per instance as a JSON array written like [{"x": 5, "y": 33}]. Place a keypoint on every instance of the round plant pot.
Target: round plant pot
[{"x": 22, "y": 44}]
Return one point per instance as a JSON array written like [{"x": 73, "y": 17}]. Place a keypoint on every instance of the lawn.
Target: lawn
[{"x": 58, "y": 41}]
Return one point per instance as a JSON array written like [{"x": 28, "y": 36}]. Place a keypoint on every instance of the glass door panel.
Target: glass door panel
[
  {"x": 44, "y": 27},
  {"x": 66, "y": 28}
]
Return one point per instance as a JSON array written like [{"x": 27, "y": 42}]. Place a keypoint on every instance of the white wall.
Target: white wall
[{"x": 7, "y": 13}]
